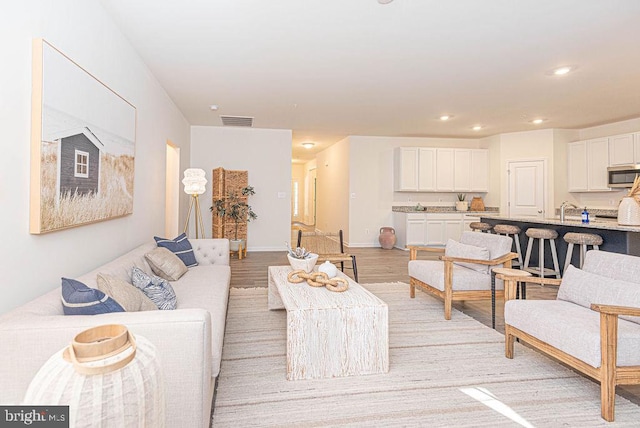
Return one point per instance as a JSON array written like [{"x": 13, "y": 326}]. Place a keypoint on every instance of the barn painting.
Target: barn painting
[
  {"x": 79, "y": 170},
  {"x": 83, "y": 146}
]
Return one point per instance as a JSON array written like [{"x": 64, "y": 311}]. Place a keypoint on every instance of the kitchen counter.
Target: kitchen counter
[
  {"x": 441, "y": 209},
  {"x": 573, "y": 221},
  {"x": 616, "y": 238}
]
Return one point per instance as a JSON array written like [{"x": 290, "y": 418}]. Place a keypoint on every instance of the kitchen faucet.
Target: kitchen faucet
[{"x": 564, "y": 205}]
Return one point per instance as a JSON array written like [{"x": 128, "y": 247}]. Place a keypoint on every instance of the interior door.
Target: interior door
[{"x": 526, "y": 188}]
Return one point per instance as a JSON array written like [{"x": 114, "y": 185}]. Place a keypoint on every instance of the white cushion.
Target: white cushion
[
  {"x": 432, "y": 272},
  {"x": 584, "y": 288},
  {"x": 572, "y": 329},
  {"x": 465, "y": 251}
]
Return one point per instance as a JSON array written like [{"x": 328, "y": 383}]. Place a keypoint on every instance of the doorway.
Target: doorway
[
  {"x": 526, "y": 193},
  {"x": 172, "y": 191}
]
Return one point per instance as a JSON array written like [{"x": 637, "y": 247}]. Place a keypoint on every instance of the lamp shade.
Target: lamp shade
[{"x": 194, "y": 181}]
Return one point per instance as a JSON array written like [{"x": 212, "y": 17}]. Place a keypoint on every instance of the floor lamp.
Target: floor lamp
[{"x": 194, "y": 185}]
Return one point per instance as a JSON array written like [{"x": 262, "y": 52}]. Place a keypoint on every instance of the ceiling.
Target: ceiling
[{"x": 331, "y": 68}]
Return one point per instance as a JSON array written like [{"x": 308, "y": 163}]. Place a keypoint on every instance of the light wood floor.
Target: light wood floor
[{"x": 376, "y": 265}]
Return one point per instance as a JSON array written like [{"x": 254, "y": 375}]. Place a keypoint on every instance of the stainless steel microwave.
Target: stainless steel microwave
[{"x": 623, "y": 175}]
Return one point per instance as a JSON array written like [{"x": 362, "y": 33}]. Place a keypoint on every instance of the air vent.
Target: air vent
[{"x": 237, "y": 121}]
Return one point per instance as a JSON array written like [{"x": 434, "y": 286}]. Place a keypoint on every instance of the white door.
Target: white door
[{"x": 526, "y": 188}]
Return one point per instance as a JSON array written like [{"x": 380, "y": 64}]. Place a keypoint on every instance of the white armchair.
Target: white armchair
[{"x": 464, "y": 271}]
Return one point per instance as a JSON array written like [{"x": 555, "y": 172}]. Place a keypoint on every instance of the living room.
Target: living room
[{"x": 354, "y": 173}]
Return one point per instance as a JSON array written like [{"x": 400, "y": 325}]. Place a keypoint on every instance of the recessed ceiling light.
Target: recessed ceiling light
[
  {"x": 477, "y": 128},
  {"x": 384, "y": 1},
  {"x": 537, "y": 121},
  {"x": 445, "y": 117},
  {"x": 307, "y": 144},
  {"x": 561, "y": 71},
  {"x": 213, "y": 107}
]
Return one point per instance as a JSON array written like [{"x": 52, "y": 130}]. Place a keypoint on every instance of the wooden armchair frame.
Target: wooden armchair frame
[
  {"x": 609, "y": 374},
  {"x": 449, "y": 295}
]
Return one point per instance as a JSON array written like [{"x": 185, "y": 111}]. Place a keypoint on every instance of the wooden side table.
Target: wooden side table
[{"x": 502, "y": 273}]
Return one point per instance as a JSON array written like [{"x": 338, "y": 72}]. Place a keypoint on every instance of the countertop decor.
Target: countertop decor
[{"x": 440, "y": 209}]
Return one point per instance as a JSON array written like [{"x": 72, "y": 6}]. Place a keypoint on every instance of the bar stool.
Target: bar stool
[
  {"x": 514, "y": 232},
  {"x": 582, "y": 239},
  {"x": 542, "y": 235},
  {"x": 479, "y": 226}
]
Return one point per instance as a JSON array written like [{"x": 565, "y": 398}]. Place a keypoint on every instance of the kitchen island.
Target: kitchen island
[{"x": 616, "y": 238}]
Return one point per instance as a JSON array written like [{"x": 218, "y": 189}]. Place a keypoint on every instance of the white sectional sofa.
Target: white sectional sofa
[{"x": 188, "y": 339}]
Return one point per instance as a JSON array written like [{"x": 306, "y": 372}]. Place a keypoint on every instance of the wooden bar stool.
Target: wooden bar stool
[
  {"x": 514, "y": 233},
  {"x": 479, "y": 226},
  {"x": 582, "y": 239},
  {"x": 542, "y": 235}
]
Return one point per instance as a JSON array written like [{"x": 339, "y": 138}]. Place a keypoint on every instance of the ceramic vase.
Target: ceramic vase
[
  {"x": 477, "y": 204},
  {"x": 329, "y": 268},
  {"x": 387, "y": 237},
  {"x": 306, "y": 265},
  {"x": 629, "y": 212},
  {"x": 462, "y": 206}
]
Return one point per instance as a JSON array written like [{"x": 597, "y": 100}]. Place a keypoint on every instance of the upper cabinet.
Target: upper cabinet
[
  {"x": 624, "y": 149},
  {"x": 445, "y": 164},
  {"x": 587, "y": 165},
  {"x": 440, "y": 170},
  {"x": 406, "y": 169}
]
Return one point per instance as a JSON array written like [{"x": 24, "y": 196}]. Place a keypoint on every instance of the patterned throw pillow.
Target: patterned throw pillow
[
  {"x": 129, "y": 297},
  {"x": 179, "y": 246},
  {"x": 157, "y": 289},
  {"x": 165, "y": 264},
  {"x": 78, "y": 299}
]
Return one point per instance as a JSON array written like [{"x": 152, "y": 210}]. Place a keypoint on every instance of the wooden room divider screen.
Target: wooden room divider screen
[{"x": 223, "y": 183}]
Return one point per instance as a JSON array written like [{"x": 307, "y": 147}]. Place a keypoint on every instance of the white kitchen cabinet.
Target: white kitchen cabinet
[
  {"x": 598, "y": 162},
  {"x": 445, "y": 161},
  {"x": 414, "y": 169},
  {"x": 416, "y": 229},
  {"x": 406, "y": 169},
  {"x": 426, "y": 169},
  {"x": 462, "y": 170},
  {"x": 621, "y": 150},
  {"x": 587, "y": 165},
  {"x": 431, "y": 229},
  {"x": 479, "y": 170}
]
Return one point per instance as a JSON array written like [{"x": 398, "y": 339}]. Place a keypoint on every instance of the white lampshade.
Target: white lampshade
[{"x": 194, "y": 181}]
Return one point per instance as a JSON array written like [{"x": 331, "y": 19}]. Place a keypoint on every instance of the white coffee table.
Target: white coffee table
[{"x": 331, "y": 334}]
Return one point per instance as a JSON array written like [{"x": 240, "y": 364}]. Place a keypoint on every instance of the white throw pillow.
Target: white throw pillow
[{"x": 456, "y": 249}]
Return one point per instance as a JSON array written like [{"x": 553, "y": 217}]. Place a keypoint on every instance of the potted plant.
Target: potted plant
[
  {"x": 235, "y": 208},
  {"x": 461, "y": 204}
]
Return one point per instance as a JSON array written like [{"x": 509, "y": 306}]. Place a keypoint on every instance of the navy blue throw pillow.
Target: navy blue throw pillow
[
  {"x": 179, "y": 246},
  {"x": 78, "y": 299}
]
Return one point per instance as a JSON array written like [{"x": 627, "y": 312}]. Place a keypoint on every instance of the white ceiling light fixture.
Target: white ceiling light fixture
[
  {"x": 384, "y": 1},
  {"x": 537, "y": 121},
  {"x": 213, "y": 107},
  {"x": 308, "y": 144},
  {"x": 445, "y": 117},
  {"x": 477, "y": 128},
  {"x": 561, "y": 71}
]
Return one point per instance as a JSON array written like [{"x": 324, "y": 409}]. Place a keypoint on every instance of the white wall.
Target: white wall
[
  {"x": 371, "y": 180},
  {"x": 266, "y": 154},
  {"x": 84, "y": 32},
  {"x": 332, "y": 187}
]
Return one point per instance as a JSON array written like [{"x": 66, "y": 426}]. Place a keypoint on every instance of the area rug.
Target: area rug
[{"x": 442, "y": 373}]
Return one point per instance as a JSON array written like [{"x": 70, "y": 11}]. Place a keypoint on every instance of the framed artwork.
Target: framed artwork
[{"x": 82, "y": 145}]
